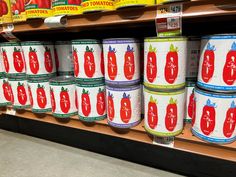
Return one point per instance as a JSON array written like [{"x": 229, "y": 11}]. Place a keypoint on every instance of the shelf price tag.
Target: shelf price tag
[
  {"x": 169, "y": 20},
  {"x": 11, "y": 111},
  {"x": 7, "y": 33},
  {"x": 164, "y": 141},
  {"x": 56, "y": 22}
]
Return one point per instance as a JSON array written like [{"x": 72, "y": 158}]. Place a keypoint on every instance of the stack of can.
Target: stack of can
[
  {"x": 122, "y": 77},
  {"x": 214, "y": 115},
  {"x": 89, "y": 77},
  {"x": 164, "y": 81}
]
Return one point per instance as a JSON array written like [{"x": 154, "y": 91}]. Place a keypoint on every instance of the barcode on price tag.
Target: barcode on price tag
[{"x": 164, "y": 141}]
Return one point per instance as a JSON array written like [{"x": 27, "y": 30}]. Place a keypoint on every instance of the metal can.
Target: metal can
[
  {"x": 214, "y": 118},
  {"x": 18, "y": 10},
  {"x": 19, "y": 92},
  {"x": 123, "y": 106},
  {"x": 132, "y": 3},
  {"x": 62, "y": 91},
  {"x": 5, "y": 92},
  {"x": 164, "y": 112},
  {"x": 91, "y": 101},
  {"x": 122, "y": 61},
  {"x": 165, "y": 63},
  {"x": 189, "y": 101},
  {"x": 38, "y": 9},
  {"x": 88, "y": 60},
  {"x": 66, "y": 7},
  {"x": 13, "y": 59},
  {"x": 63, "y": 57},
  {"x": 6, "y": 15},
  {"x": 39, "y": 59},
  {"x": 97, "y": 5},
  {"x": 39, "y": 94},
  {"x": 217, "y": 66}
]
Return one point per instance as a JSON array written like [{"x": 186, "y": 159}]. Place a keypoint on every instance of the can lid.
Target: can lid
[
  {"x": 63, "y": 43},
  {"x": 220, "y": 36},
  {"x": 30, "y": 43},
  {"x": 62, "y": 80},
  {"x": 90, "y": 85},
  {"x": 10, "y": 44},
  {"x": 165, "y": 39},
  {"x": 120, "y": 40},
  {"x": 86, "y": 41}
]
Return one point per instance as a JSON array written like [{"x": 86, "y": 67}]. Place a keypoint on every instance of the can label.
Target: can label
[
  {"x": 39, "y": 59},
  {"x": 91, "y": 110},
  {"x": 189, "y": 102},
  {"x": 88, "y": 61},
  {"x": 5, "y": 92},
  {"x": 39, "y": 94},
  {"x": 214, "y": 117},
  {"x": 63, "y": 100},
  {"x": 164, "y": 112},
  {"x": 2, "y": 68},
  {"x": 13, "y": 59},
  {"x": 18, "y": 10},
  {"x": 123, "y": 106},
  {"x": 5, "y": 13},
  {"x": 122, "y": 61},
  {"x": 97, "y": 5},
  {"x": 217, "y": 67},
  {"x": 63, "y": 57},
  {"x": 165, "y": 63},
  {"x": 128, "y": 3},
  {"x": 38, "y": 9},
  {"x": 66, "y": 7}
]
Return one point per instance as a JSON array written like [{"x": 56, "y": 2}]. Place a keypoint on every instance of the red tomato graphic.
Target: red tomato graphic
[
  {"x": 125, "y": 108},
  {"x": 194, "y": 111},
  {"x": 102, "y": 64},
  {"x": 18, "y": 7},
  {"x": 171, "y": 115},
  {"x": 56, "y": 58},
  {"x": 5, "y": 60},
  {"x": 19, "y": 63},
  {"x": 111, "y": 63},
  {"x": 21, "y": 94},
  {"x": 110, "y": 107},
  {"x": 74, "y": 2},
  {"x": 53, "y": 102},
  {"x": 33, "y": 61},
  {"x": 44, "y": 4},
  {"x": 208, "y": 64},
  {"x": 64, "y": 100},
  {"x": 172, "y": 65},
  {"x": 89, "y": 63},
  {"x": 190, "y": 104},
  {"x": 76, "y": 100},
  {"x": 151, "y": 67},
  {"x": 86, "y": 106},
  {"x": 7, "y": 91},
  {"x": 30, "y": 96},
  {"x": 152, "y": 113},
  {"x": 48, "y": 60},
  {"x": 129, "y": 64},
  {"x": 207, "y": 123},
  {"x": 76, "y": 62},
  {"x": 101, "y": 106},
  {"x": 41, "y": 97},
  {"x": 4, "y": 8},
  {"x": 229, "y": 71},
  {"x": 230, "y": 121}
]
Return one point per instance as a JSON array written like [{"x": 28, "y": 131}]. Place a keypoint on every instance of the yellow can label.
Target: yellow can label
[
  {"x": 64, "y": 7},
  {"x": 95, "y": 5},
  {"x": 166, "y": 1},
  {"x": 126, "y": 3},
  {"x": 6, "y": 11},
  {"x": 18, "y": 10}
]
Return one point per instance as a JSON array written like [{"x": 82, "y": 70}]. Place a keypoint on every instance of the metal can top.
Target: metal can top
[
  {"x": 10, "y": 44},
  {"x": 86, "y": 41},
  {"x": 165, "y": 39},
  {"x": 164, "y": 93},
  {"x": 63, "y": 43},
  {"x": 214, "y": 94},
  {"x": 30, "y": 43},
  {"x": 90, "y": 85},
  {"x": 120, "y": 40},
  {"x": 62, "y": 80},
  {"x": 127, "y": 88},
  {"x": 17, "y": 78},
  {"x": 220, "y": 36}
]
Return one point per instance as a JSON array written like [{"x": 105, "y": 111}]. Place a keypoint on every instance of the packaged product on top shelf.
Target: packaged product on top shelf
[
  {"x": 38, "y": 9},
  {"x": 189, "y": 101},
  {"x": 97, "y": 5},
  {"x": 18, "y": 10},
  {"x": 5, "y": 92},
  {"x": 133, "y": 3},
  {"x": 5, "y": 13},
  {"x": 66, "y": 7}
]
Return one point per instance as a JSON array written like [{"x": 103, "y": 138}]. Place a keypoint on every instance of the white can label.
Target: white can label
[{"x": 5, "y": 92}]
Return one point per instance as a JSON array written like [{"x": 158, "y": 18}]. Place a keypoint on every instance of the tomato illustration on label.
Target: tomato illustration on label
[
  {"x": 4, "y": 8},
  {"x": 110, "y": 107},
  {"x": 18, "y": 6},
  {"x": 151, "y": 67},
  {"x": 102, "y": 64},
  {"x": 190, "y": 104},
  {"x": 194, "y": 111},
  {"x": 208, "y": 64},
  {"x": 7, "y": 91},
  {"x": 230, "y": 121},
  {"x": 229, "y": 71},
  {"x": 19, "y": 63},
  {"x": 101, "y": 104},
  {"x": 76, "y": 62},
  {"x": 21, "y": 93},
  {"x": 33, "y": 61},
  {"x": 64, "y": 100},
  {"x": 44, "y": 4},
  {"x": 53, "y": 102},
  {"x": 48, "y": 60},
  {"x": 56, "y": 58},
  {"x": 89, "y": 63},
  {"x": 172, "y": 65},
  {"x": 129, "y": 64},
  {"x": 152, "y": 113},
  {"x": 207, "y": 122},
  {"x": 111, "y": 63},
  {"x": 41, "y": 96},
  {"x": 30, "y": 96},
  {"x": 5, "y": 60},
  {"x": 125, "y": 108},
  {"x": 171, "y": 115},
  {"x": 74, "y": 2},
  {"x": 76, "y": 100},
  {"x": 86, "y": 105}
]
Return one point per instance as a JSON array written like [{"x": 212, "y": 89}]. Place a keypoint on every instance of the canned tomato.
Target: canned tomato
[
  {"x": 18, "y": 10},
  {"x": 165, "y": 62},
  {"x": 217, "y": 66},
  {"x": 88, "y": 60},
  {"x": 164, "y": 112},
  {"x": 66, "y": 7},
  {"x": 63, "y": 100},
  {"x": 38, "y": 9},
  {"x": 5, "y": 92},
  {"x": 20, "y": 95},
  {"x": 13, "y": 59},
  {"x": 39, "y": 94},
  {"x": 97, "y": 5},
  {"x": 214, "y": 117},
  {"x": 91, "y": 101},
  {"x": 5, "y": 12},
  {"x": 39, "y": 59},
  {"x": 123, "y": 106},
  {"x": 122, "y": 61},
  {"x": 189, "y": 101},
  {"x": 63, "y": 57},
  {"x": 133, "y": 3}
]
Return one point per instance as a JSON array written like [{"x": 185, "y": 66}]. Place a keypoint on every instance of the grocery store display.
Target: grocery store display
[
  {"x": 38, "y": 9},
  {"x": 132, "y": 3},
  {"x": 189, "y": 101},
  {"x": 97, "y": 5},
  {"x": 18, "y": 10},
  {"x": 5, "y": 13},
  {"x": 66, "y": 7},
  {"x": 5, "y": 92}
]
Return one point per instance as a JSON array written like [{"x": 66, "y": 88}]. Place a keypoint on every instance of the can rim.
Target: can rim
[
  {"x": 10, "y": 43},
  {"x": 90, "y": 85},
  {"x": 127, "y": 88},
  {"x": 121, "y": 39},
  {"x": 26, "y": 43},
  {"x": 167, "y": 37},
  {"x": 96, "y": 41},
  {"x": 62, "y": 79},
  {"x": 17, "y": 78},
  {"x": 174, "y": 92},
  {"x": 38, "y": 80},
  {"x": 214, "y": 92},
  {"x": 219, "y": 35}
]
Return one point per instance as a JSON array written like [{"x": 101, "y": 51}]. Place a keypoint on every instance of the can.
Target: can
[
  {"x": 189, "y": 101},
  {"x": 214, "y": 118},
  {"x": 13, "y": 59},
  {"x": 18, "y": 10},
  {"x": 20, "y": 95},
  {"x": 123, "y": 106},
  {"x": 133, "y": 3},
  {"x": 63, "y": 57},
  {"x": 66, "y": 7},
  {"x": 122, "y": 61},
  {"x": 97, "y": 5},
  {"x": 165, "y": 63},
  {"x": 92, "y": 102},
  {"x": 39, "y": 94},
  {"x": 38, "y": 9},
  {"x": 62, "y": 92},
  {"x": 142, "y": 100},
  {"x": 5, "y": 92},
  {"x": 2, "y": 68},
  {"x": 88, "y": 60},
  {"x": 217, "y": 66},
  {"x": 164, "y": 112},
  {"x": 39, "y": 59},
  {"x": 6, "y": 15}
]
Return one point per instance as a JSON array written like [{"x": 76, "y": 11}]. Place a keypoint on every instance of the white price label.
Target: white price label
[
  {"x": 11, "y": 111},
  {"x": 164, "y": 141},
  {"x": 7, "y": 33},
  {"x": 56, "y": 22}
]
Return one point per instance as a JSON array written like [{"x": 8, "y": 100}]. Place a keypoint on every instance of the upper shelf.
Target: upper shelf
[{"x": 193, "y": 9}]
